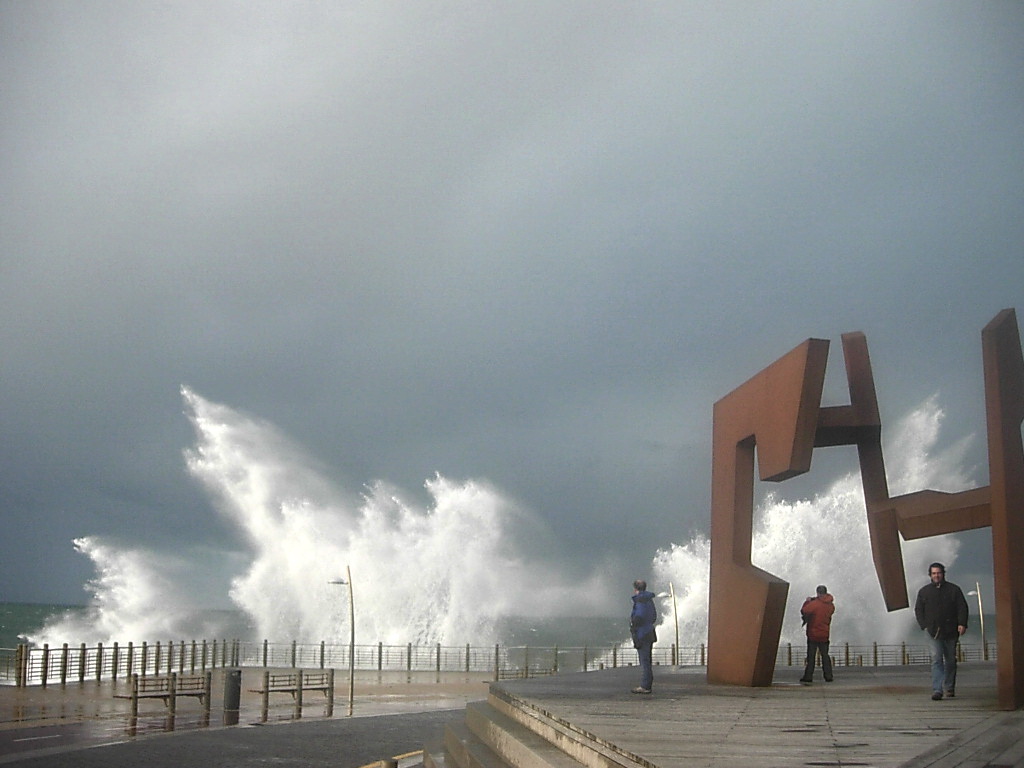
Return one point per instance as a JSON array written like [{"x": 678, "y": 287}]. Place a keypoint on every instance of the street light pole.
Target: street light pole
[
  {"x": 352, "y": 636},
  {"x": 981, "y": 618},
  {"x": 675, "y": 615}
]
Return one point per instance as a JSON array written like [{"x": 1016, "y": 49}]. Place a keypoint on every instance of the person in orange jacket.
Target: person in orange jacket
[{"x": 816, "y": 613}]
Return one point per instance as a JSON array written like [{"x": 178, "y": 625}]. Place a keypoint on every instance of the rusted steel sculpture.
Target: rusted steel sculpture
[{"x": 779, "y": 411}]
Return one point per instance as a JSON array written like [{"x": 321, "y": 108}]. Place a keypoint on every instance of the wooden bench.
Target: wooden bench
[
  {"x": 168, "y": 689},
  {"x": 296, "y": 683}
]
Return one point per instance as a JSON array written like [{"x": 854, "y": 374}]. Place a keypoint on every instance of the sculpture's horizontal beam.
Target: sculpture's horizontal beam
[{"x": 933, "y": 513}]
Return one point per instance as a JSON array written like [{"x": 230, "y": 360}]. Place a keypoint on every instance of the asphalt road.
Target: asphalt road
[{"x": 337, "y": 742}]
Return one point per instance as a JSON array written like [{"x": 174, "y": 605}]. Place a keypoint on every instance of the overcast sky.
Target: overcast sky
[{"x": 526, "y": 242}]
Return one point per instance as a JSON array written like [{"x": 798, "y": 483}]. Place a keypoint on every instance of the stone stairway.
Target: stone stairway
[{"x": 505, "y": 731}]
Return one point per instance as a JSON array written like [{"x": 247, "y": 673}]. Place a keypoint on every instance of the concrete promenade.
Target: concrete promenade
[{"x": 869, "y": 716}]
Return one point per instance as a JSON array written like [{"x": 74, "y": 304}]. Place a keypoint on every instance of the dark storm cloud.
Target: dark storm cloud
[{"x": 532, "y": 244}]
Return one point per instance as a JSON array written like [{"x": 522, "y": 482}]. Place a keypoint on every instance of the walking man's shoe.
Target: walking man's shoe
[
  {"x": 640, "y": 689},
  {"x": 950, "y": 694},
  {"x": 937, "y": 696}
]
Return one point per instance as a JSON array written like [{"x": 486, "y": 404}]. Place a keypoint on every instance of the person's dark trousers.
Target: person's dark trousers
[
  {"x": 814, "y": 647},
  {"x": 646, "y": 665}
]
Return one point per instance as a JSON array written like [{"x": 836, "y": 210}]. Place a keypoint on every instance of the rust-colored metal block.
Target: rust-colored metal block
[
  {"x": 778, "y": 412},
  {"x": 1004, "y": 411}
]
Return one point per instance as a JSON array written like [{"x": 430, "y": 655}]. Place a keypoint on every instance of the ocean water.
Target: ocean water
[
  {"x": 21, "y": 621},
  {"x": 468, "y": 567}
]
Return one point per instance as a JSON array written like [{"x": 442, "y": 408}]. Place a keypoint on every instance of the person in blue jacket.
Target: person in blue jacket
[{"x": 641, "y": 626}]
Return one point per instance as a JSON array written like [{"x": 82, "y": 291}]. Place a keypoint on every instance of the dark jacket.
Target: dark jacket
[
  {"x": 817, "y": 615},
  {"x": 940, "y": 608},
  {"x": 642, "y": 619}
]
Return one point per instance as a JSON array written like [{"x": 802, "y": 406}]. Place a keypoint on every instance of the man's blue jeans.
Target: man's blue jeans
[
  {"x": 943, "y": 664},
  {"x": 646, "y": 668}
]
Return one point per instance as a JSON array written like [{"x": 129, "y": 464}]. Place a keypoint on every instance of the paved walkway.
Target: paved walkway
[{"x": 870, "y": 716}]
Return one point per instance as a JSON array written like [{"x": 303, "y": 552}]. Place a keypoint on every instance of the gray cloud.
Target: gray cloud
[{"x": 532, "y": 244}]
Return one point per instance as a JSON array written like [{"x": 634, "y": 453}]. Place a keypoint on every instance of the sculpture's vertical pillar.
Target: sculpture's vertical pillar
[
  {"x": 1004, "y": 407},
  {"x": 883, "y": 528},
  {"x": 776, "y": 411}
]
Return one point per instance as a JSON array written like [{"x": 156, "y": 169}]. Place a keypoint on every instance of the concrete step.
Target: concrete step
[
  {"x": 584, "y": 747},
  {"x": 515, "y": 745},
  {"x": 462, "y": 749},
  {"x": 433, "y": 754}
]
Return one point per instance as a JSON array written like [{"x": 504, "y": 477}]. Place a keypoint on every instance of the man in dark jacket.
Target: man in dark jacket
[
  {"x": 816, "y": 613},
  {"x": 642, "y": 619},
  {"x": 941, "y": 611}
]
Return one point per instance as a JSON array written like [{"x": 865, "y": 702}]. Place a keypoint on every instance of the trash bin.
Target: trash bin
[{"x": 232, "y": 695}]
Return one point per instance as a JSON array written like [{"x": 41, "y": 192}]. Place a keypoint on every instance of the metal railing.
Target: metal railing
[{"x": 44, "y": 666}]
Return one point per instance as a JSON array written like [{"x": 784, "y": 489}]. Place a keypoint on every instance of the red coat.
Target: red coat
[{"x": 817, "y": 615}]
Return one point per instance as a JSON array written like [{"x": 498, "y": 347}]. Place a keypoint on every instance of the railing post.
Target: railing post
[
  {"x": 294, "y": 649},
  {"x": 846, "y": 655},
  {"x": 526, "y": 661},
  {"x": 321, "y": 654},
  {"x": 144, "y": 661},
  {"x": 497, "y": 664},
  {"x": 46, "y": 663},
  {"x": 99, "y": 661},
  {"x": 156, "y": 658},
  {"x": 556, "y": 659},
  {"x": 789, "y": 654},
  {"x": 408, "y": 658},
  {"x": 380, "y": 655},
  {"x": 874, "y": 651},
  {"x": 703, "y": 658},
  {"x": 584, "y": 658},
  {"x": 114, "y": 661},
  {"x": 64, "y": 665},
  {"x": 903, "y": 653},
  {"x": 615, "y": 657},
  {"x": 192, "y": 659},
  {"x": 264, "y": 652},
  {"x": 223, "y": 652},
  {"x": 81, "y": 664},
  {"x": 203, "y": 658},
  {"x": 129, "y": 667},
  {"x": 213, "y": 654},
  {"x": 467, "y": 658},
  {"x": 181, "y": 657},
  {"x": 437, "y": 665}
]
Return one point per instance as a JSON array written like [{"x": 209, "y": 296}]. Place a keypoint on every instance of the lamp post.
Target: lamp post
[
  {"x": 675, "y": 615},
  {"x": 981, "y": 618},
  {"x": 352, "y": 636}
]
